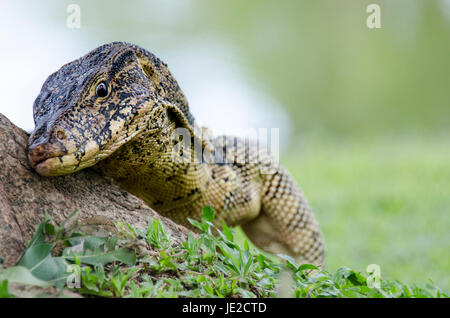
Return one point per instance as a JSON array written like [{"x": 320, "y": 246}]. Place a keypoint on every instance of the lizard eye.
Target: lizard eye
[{"x": 101, "y": 90}]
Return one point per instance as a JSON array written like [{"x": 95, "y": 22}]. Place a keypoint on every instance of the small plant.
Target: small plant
[{"x": 156, "y": 235}]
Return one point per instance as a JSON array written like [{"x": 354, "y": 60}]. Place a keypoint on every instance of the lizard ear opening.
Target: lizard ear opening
[
  {"x": 182, "y": 121},
  {"x": 178, "y": 116}
]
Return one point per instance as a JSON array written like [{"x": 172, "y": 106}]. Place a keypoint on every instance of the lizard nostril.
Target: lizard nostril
[{"x": 60, "y": 134}]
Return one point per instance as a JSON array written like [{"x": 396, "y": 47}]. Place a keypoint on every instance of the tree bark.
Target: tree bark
[{"x": 25, "y": 198}]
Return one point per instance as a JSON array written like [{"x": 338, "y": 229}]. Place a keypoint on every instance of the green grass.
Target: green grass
[
  {"x": 144, "y": 263},
  {"x": 385, "y": 202}
]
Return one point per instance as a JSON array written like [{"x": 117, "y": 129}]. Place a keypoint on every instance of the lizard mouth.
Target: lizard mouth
[
  {"x": 44, "y": 156},
  {"x": 56, "y": 165},
  {"x": 48, "y": 167}
]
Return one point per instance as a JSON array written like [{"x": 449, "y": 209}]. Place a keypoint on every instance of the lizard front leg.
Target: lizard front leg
[{"x": 286, "y": 223}]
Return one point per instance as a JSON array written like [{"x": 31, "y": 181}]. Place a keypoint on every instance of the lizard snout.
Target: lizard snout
[{"x": 43, "y": 151}]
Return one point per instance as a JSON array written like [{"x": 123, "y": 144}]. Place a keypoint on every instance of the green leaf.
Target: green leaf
[
  {"x": 245, "y": 293},
  {"x": 49, "y": 229},
  {"x": 41, "y": 263},
  {"x": 227, "y": 232},
  {"x": 246, "y": 245},
  {"x": 4, "y": 291},
  {"x": 247, "y": 261},
  {"x": 290, "y": 261},
  {"x": 208, "y": 213},
  {"x": 357, "y": 279},
  {"x": 306, "y": 267},
  {"x": 91, "y": 242},
  {"x": 21, "y": 274},
  {"x": 39, "y": 233},
  {"x": 98, "y": 257}
]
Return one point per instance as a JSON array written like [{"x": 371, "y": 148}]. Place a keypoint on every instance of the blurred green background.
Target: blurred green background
[{"x": 364, "y": 113}]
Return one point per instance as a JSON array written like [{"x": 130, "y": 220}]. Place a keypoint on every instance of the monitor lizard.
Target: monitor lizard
[{"x": 118, "y": 109}]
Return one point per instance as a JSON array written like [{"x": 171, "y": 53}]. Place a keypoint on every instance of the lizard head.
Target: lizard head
[{"x": 94, "y": 105}]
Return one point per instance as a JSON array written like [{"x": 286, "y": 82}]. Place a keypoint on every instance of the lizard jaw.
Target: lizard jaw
[
  {"x": 57, "y": 166},
  {"x": 68, "y": 163},
  {"x": 48, "y": 167}
]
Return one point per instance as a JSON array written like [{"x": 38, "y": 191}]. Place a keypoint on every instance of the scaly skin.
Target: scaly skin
[{"x": 130, "y": 132}]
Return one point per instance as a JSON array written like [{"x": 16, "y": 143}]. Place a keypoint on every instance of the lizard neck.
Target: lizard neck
[{"x": 149, "y": 166}]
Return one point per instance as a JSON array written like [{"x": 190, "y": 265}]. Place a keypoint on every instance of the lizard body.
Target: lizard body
[{"x": 118, "y": 109}]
